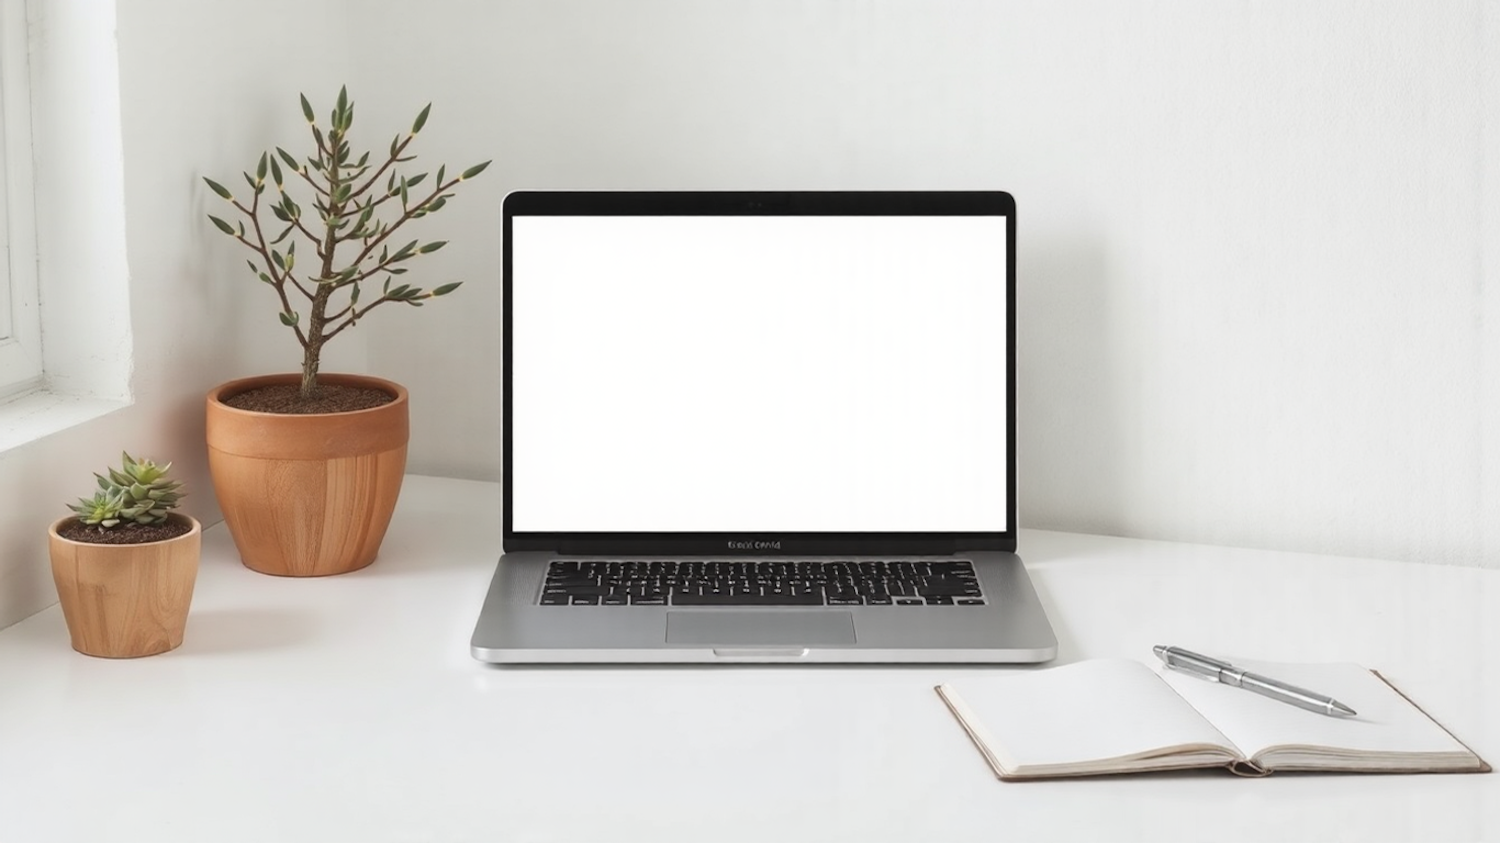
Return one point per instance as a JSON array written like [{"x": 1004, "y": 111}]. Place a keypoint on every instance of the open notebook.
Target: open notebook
[{"x": 1120, "y": 716}]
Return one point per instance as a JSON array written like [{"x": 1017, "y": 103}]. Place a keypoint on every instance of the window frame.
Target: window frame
[{"x": 20, "y": 303}]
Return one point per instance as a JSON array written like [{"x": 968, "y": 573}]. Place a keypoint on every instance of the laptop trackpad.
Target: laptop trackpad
[{"x": 748, "y": 629}]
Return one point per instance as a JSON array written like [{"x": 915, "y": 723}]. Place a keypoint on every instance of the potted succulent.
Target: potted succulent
[
  {"x": 125, "y": 563},
  {"x": 307, "y": 466}
]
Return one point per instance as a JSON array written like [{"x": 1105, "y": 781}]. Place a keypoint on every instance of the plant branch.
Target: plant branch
[
  {"x": 383, "y": 167},
  {"x": 356, "y": 315},
  {"x": 410, "y": 212},
  {"x": 302, "y": 171},
  {"x": 278, "y": 280}
]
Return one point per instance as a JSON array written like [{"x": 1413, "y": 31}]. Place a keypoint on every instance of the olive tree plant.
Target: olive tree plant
[{"x": 357, "y": 206}]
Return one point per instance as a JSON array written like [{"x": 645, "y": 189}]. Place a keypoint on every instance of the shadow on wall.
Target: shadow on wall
[{"x": 1070, "y": 430}]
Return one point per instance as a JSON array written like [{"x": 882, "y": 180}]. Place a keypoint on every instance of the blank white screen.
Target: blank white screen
[{"x": 758, "y": 374}]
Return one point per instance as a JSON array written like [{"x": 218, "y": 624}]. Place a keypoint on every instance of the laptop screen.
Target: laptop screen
[{"x": 754, "y": 371}]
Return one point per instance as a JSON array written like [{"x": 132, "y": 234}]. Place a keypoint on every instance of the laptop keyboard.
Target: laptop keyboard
[{"x": 915, "y": 582}]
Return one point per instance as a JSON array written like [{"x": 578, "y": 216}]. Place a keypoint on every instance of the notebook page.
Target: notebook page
[
  {"x": 1386, "y": 722},
  {"x": 1088, "y": 711}
]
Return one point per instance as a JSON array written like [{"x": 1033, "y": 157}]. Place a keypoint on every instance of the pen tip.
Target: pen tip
[
  {"x": 1160, "y": 650},
  {"x": 1338, "y": 709}
]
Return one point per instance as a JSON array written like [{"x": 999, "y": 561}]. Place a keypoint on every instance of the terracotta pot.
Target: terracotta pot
[
  {"x": 125, "y": 600},
  {"x": 307, "y": 495}
]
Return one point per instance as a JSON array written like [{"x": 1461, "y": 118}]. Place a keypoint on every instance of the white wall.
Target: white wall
[
  {"x": 1258, "y": 241},
  {"x": 1255, "y": 253}
]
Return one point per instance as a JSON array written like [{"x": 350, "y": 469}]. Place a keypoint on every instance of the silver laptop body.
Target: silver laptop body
[{"x": 760, "y": 427}]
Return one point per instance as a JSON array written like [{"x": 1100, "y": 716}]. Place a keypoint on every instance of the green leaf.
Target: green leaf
[
  {"x": 290, "y": 161},
  {"x": 260, "y": 169},
  {"x": 266, "y": 278},
  {"x": 354, "y": 294},
  {"x": 436, "y": 205},
  {"x": 441, "y": 170},
  {"x": 288, "y": 318},
  {"x": 223, "y": 226},
  {"x": 219, "y": 189},
  {"x": 445, "y": 289},
  {"x": 307, "y": 109},
  {"x": 432, "y": 247},
  {"x": 276, "y": 172},
  {"x": 278, "y": 260},
  {"x": 415, "y": 180},
  {"x": 343, "y": 101},
  {"x": 421, "y": 119},
  {"x": 473, "y": 171},
  {"x": 280, "y": 214},
  {"x": 403, "y": 193}
]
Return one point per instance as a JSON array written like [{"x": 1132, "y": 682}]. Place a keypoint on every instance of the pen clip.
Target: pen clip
[{"x": 1195, "y": 663}]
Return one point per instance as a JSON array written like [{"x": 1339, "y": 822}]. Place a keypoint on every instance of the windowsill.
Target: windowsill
[{"x": 38, "y": 414}]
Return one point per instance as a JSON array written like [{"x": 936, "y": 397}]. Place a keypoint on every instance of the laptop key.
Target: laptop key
[
  {"x": 585, "y": 601},
  {"x": 554, "y": 599},
  {"x": 909, "y": 601},
  {"x": 614, "y": 600}
]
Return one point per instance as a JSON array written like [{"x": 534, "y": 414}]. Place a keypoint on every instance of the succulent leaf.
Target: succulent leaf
[
  {"x": 473, "y": 171},
  {"x": 136, "y": 492},
  {"x": 219, "y": 189}
]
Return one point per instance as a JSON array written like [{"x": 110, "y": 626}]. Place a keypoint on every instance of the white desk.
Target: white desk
[{"x": 348, "y": 709}]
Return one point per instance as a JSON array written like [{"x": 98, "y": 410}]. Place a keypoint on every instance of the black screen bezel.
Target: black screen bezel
[{"x": 755, "y": 203}]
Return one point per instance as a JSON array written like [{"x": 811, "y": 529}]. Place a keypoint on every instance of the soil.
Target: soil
[
  {"x": 329, "y": 398},
  {"x": 127, "y": 534}
]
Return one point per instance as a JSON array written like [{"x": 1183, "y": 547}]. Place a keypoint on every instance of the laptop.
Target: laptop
[{"x": 760, "y": 427}]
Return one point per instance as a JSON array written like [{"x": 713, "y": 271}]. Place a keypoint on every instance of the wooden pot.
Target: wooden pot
[
  {"x": 307, "y": 495},
  {"x": 125, "y": 600}
]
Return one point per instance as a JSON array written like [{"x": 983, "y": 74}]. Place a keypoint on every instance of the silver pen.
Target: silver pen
[{"x": 1217, "y": 671}]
